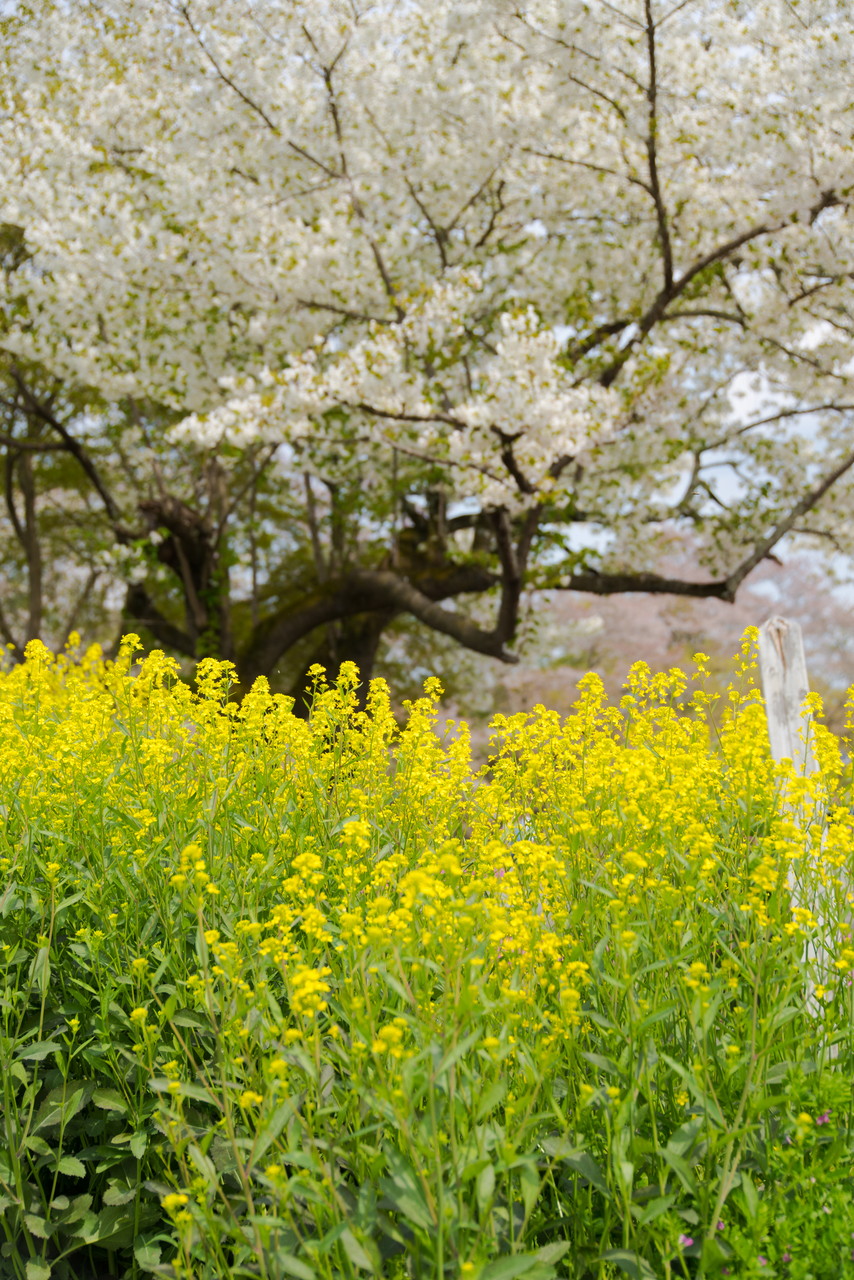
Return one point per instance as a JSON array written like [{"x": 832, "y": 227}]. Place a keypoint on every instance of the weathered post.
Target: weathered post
[{"x": 783, "y": 672}]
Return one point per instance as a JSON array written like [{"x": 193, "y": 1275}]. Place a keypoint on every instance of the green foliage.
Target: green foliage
[{"x": 314, "y": 1000}]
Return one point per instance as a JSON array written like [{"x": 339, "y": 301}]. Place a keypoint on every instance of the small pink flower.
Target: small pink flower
[
  {"x": 721, "y": 1225},
  {"x": 763, "y": 1262},
  {"x": 500, "y": 873},
  {"x": 787, "y": 1257},
  {"x": 824, "y": 1118},
  {"x": 685, "y": 1242}
]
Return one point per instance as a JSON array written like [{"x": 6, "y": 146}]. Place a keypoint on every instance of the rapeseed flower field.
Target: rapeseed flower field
[{"x": 320, "y": 999}]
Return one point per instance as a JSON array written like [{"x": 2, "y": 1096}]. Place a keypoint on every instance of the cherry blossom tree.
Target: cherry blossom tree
[{"x": 392, "y": 309}]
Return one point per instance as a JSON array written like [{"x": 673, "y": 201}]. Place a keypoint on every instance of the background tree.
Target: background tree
[
  {"x": 350, "y": 312},
  {"x": 579, "y": 633}
]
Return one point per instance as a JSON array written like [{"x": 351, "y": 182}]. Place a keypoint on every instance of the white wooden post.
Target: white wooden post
[{"x": 783, "y": 671}]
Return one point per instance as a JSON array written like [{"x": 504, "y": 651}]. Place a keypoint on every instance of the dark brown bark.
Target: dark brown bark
[
  {"x": 364, "y": 591},
  {"x": 194, "y": 551},
  {"x": 355, "y": 639},
  {"x": 141, "y": 610}
]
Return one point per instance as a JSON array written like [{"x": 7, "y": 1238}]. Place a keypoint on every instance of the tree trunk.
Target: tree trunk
[{"x": 355, "y": 639}]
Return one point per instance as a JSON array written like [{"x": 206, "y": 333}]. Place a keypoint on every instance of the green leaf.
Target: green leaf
[
  {"x": 553, "y": 1252},
  {"x": 38, "y": 1270},
  {"x": 655, "y": 1209},
  {"x": 584, "y": 1164},
  {"x": 35, "y": 1052},
  {"x": 485, "y": 1187},
  {"x": 119, "y": 1193},
  {"x": 161, "y": 1085},
  {"x": 147, "y": 1253},
  {"x": 275, "y": 1124},
  {"x": 684, "y": 1138},
  {"x": 9, "y": 902},
  {"x": 559, "y": 1148},
  {"x": 355, "y": 1252},
  {"x": 62, "y": 1104},
  {"x": 507, "y": 1268},
  {"x": 36, "y": 1226},
  {"x": 109, "y": 1100},
  {"x": 34, "y": 1143},
  {"x": 604, "y": 1064},
  {"x": 751, "y": 1195},
  {"x": 40, "y": 970},
  {"x": 72, "y": 1166},
  {"x": 186, "y": 1018},
  {"x": 69, "y": 902},
  {"x": 458, "y": 1051},
  {"x": 203, "y": 1163},
  {"x": 325, "y": 1244},
  {"x": 405, "y": 1194},
  {"x": 682, "y": 1169},
  {"x": 631, "y": 1263},
  {"x": 530, "y": 1180},
  {"x": 658, "y": 1016},
  {"x": 491, "y": 1099},
  {"x": 139, "y": 1143},
  {"x": 292, "y": 1266}
]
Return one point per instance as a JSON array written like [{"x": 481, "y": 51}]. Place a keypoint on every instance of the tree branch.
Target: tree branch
[
  {"x": 658, "y": 308},
  {"x": 140, "y": 607},
  {"x": 71, "y": 623},
  {"x": 652, "y": 151},
  {"x": 6, "y": 633},
  {"x": 607, "y": 584},
  {"x": 512, "y": 572},
  {"x": 807, "y": 502},
  {"x": 40, "y": 410},
  {"x": 613, "y": 584},
  {"x": 366, "y": 591},
  {"x": 184, "y": 11}
]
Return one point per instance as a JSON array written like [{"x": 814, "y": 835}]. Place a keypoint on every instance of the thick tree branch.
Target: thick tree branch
[
  {"x": 512, "y": 575},
  {"x": 407, "y": 597},
  {"x": 608, "y": 584},
  {"x": 140, "y": 608},
  {"x": 614, "y": 584},
  {"x": 366, "y": 591},
  {"x": 508, "y": 457},
  {"x": 23, "y": 445},
  {"x": 706, "y": 313}
]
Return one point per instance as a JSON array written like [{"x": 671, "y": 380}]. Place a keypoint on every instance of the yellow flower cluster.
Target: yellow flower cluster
[{"x": 354, "y": 887}]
